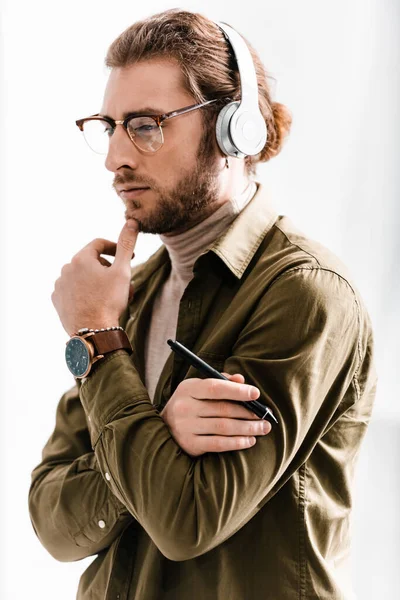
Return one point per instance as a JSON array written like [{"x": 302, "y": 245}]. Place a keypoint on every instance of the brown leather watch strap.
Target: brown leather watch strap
[{"x": 107, "y": 341}]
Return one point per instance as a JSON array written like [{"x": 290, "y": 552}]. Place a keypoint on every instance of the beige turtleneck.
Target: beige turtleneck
[{"x": 183, "y": 250}]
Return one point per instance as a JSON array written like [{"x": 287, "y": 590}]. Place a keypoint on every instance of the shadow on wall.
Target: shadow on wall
[{"x": 376, "y": 514}]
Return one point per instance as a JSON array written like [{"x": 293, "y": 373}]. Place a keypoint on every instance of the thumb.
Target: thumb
[{"x": 126, "y": 243}]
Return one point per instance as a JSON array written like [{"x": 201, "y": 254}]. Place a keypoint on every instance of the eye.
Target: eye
[
  {"x": 148, "y": 127},
  {"x": 142, "y": 126}
]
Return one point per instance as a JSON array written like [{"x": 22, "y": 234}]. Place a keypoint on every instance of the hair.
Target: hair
[{"x": 208, "y": 66}]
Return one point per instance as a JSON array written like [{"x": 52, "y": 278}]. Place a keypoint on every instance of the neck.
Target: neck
[{"x": 234, "y": 180}]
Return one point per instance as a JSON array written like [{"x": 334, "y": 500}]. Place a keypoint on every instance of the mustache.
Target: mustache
[{"x": 126, "y": 181}]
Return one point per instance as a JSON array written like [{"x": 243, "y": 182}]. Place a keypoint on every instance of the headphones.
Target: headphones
[{"x": 240, "y": 129}]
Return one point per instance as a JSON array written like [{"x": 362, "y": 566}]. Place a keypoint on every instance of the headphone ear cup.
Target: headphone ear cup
[
  {"x": 248, "y": 131},
  {"x": 223, "y": 131}
]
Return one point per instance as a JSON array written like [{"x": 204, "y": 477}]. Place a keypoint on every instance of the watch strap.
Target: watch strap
[{"x": 107, "y": 341}]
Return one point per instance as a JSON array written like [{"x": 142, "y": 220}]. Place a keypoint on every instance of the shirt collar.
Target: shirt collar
[{"x": 239, "y": 243}]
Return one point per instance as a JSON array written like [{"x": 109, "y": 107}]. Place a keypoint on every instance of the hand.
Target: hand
[
  {"x": 201, "y": 420},
  {"x": 91, "y": 291}
]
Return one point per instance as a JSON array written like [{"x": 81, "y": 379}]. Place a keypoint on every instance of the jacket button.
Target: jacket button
[
  {"x": 101, "y": 524},
  {"x": 107, "y": 476}
]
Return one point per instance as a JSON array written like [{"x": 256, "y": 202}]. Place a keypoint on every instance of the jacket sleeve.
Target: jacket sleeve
[
  {"x": 302, "y": 347},
  {"x": 68, "y": 496}
]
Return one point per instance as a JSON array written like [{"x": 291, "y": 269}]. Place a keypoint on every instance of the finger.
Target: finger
[
  {"x": 221, "y": 443},
  {"x": 218, "y": 389},
  {"x": 224, "y": 409},
  {"x": 101, "y": 246},
  {"x": 104, "y": 262},
  {"x": 126, "y": 243},
  {"x": 236, "y": 377},
  {"x": 231, "y": 427}
]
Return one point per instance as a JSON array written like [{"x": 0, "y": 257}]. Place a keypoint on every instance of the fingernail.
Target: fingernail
[
  {"x": 254, "y": 393},
  {"x": 132, "y": 224},
  {"x": 266, "y": 427}
]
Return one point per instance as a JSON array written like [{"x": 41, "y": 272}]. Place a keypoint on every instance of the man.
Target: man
[{"x": 179, "y": 489}]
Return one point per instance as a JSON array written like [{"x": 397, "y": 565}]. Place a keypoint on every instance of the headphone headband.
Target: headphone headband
[{"x": 247, "y": 72}]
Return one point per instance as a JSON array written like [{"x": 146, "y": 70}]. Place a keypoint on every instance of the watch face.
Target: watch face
[{"x": 77, "y": 357}]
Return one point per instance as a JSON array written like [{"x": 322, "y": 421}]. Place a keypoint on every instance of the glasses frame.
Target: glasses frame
[{"x": 159, "y": 119}]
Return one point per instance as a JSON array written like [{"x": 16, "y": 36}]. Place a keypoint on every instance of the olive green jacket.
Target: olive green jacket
[{"x": 269, "y": 522}]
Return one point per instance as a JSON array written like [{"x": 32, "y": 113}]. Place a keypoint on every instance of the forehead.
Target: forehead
[{"x": 149, "y": 83}]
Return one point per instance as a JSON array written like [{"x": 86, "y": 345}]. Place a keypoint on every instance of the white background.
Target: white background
[{"x": 336, "y": 66}]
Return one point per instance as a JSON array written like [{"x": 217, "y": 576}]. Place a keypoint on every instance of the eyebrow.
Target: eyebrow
[{"x": 147, "y": 110}]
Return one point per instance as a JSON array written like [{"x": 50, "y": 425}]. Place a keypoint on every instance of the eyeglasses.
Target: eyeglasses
[{"x": 144, "y": 130}]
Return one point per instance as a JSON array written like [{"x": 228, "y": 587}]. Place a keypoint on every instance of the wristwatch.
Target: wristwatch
[{"x": 88, "y": 346}]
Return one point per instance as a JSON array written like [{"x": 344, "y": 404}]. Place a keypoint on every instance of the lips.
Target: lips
[
  {"x": 127, "y": 187},
  {"x": 139, "y": 187},
  {"x": 130, "y": 194}
]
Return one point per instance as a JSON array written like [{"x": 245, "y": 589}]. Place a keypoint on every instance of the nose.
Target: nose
[{"x": 121, "y": 151}]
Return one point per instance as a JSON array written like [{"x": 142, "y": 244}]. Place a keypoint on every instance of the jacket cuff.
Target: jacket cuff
[{"x": 113, "y": 385}]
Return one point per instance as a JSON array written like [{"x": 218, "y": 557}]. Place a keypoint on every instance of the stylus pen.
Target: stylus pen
[{"x": 256, "y": 407}]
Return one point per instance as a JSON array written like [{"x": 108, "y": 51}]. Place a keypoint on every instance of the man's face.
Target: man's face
[{"x": 182, "y": 176}]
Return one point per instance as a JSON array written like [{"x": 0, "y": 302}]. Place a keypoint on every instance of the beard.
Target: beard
[{"x": 192, "y": 199}]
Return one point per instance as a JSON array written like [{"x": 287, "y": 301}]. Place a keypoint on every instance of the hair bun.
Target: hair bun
[{"x": 278, "y": 129}]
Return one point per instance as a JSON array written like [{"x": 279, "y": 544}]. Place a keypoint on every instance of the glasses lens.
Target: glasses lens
[
  {"x": 145, "y": 133},
  {"x": 97, "y": 134}
]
